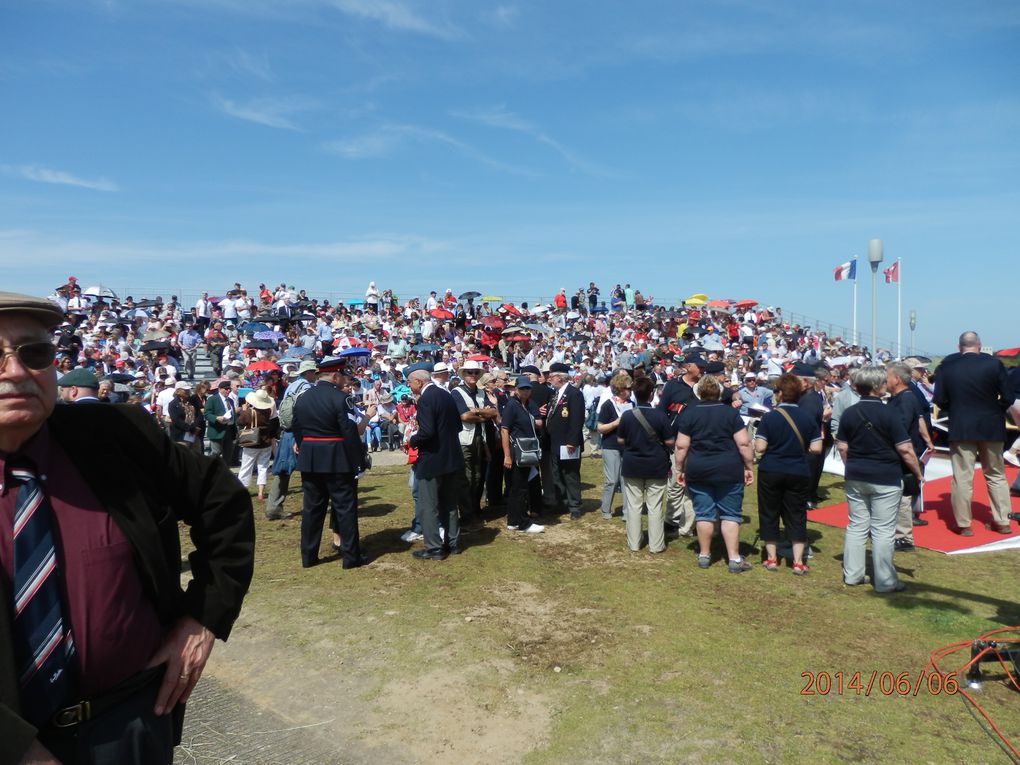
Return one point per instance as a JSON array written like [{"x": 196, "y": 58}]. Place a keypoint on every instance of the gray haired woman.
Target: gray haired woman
[{"x": 877, "y": 451}]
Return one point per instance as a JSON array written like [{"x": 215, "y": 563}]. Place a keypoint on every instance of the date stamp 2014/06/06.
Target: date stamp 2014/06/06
[{"x": 877, "y": 683}]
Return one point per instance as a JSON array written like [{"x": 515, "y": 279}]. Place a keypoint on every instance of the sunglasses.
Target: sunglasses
[{"x": 35, "y": 356}]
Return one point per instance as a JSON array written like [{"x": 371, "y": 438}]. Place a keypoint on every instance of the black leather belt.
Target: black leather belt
[{"x": 83, "y": 711}]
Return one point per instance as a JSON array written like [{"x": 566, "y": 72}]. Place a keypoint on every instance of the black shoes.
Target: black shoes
[
  {"x": 426, "y": 555},
  {"x": 919, "y": 521},
  {"x": 903, "y": 545},
  {"x": 452, "y": 550},
  {"x": 361, "y": 560}
]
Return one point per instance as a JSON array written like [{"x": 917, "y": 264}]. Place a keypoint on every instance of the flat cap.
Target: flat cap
[
  {"x": 693, "y": 358},
  {"x": 38, "y": 308},
  {"x": 530, "y": 369},
  {"x": 802, "y": 369},
  {"x": 523, "y": 382},
  {"x": 418, "y": 366},
  {"x": 559, "y": 368},
  {"x": 79, "y": 378}
]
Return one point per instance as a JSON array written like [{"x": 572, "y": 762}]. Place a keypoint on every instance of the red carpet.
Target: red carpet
[{"x": 939, "y": 514}]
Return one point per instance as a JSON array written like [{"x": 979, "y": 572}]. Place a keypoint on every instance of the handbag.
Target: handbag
[
  {"x": 248, "y": 438},
  {"x": 526, "y": 452},
  {"x": 911, "y": 486}
]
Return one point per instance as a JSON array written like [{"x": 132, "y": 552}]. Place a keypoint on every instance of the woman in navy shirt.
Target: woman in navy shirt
[
  {"x": 520, "y": 420},
  {"x": 872, "y": 442},
  {"x": 785, "y": 437},
  {"x": 608, "y": 420},
  {"x": 645, "y": 467},
  {"x": 713, "y": 457}
]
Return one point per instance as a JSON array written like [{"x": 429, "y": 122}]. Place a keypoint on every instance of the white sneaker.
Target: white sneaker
[
  {"x": 513, "y": 528},
  {"x": 1011, "y": 458},
  {"x": 534, "y": 529},
  {"x": 414, "y": 536}
]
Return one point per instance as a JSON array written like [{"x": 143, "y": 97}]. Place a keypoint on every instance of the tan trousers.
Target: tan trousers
[
  {"x": 637, "y": 493},
  {"x": 679, "y": 507},
  {"x": 905, "y": 519},
  {"x": 963, "y": 456}
]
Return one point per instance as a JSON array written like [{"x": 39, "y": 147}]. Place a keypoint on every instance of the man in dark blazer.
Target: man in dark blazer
[
  {"x": 540, "y": 395},
  {"x": 221, "y": 419},
  {"x": 109, "y": 484},
  {"x": 330, "y": 457},
  {"x": 565, "y": 425},
  {"x": 439, "y": 467},
  {"x": 972, "y": 388}
]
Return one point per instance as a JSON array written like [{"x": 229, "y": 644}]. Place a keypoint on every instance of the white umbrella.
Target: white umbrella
[
  {"x": 100, "y": 292},
  {"x": 573, "y": 315}
]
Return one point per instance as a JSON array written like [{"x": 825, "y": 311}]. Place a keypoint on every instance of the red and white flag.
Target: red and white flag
[{"x": 892, "y": 274}]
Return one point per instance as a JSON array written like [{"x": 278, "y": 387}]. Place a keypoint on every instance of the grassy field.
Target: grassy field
[{"x": 568, "y": 648}]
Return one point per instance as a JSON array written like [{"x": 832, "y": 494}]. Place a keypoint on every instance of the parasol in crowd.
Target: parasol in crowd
[
  {"x": 100, "y": 292},
  {"x": 120, "y": 377},
  {"x": 470, "y": 295},
  {"x": 517, "y": 338},
  {"x": 573, "y": 315},
  {"x": 154, "y": 345},
  {"x": 441, "y": 313},
  {"x": 696, "y": 300},
  {"x": 717, "y": 303},
  {"x": 349, "y": 352},
  {"x": 745, "y": 304},
  {"x": 493, "y": 322},
  {"x": 515, "y": 329},
  {"x": 1008, "y": 353},
  {"x": 491, "y": 299},
  {"x": 424, "y": 347},
  {"x": 511, "y": 309},
  {"x": 479, "y": 357},
  {"x": 263, "y": 345},
  {"x": 263, "y": 365},
  {"x": 253, "y": 327},
  {"x": 268, "y": 335}
]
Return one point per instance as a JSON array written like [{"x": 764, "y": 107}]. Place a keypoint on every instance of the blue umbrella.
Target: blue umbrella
[
  {"x": 289, "y": 360},
  {"x": 424, "y": 347},
  {"x": 355, "y": 302},
  {"x": 347, "y": 352},
  {"x": 268, "y": 335},
  {"x": 253, "y": 327}
]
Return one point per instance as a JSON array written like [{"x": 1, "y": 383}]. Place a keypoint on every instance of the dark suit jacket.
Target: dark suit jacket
[
  {"x": 148, "y": 484},
  {"x": 973, "y": 389},
  {"x": 322, "y": 412},
  {"x": 437, "y": 439},
  {"x": 566, "y": 430}
]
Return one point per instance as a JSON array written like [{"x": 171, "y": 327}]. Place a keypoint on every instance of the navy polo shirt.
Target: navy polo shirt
[
  {"x": 812, "y": 403},
  {"x": 608, "y": 414},
  {"x": 515, "y": 419},
  {"x": 909, "y": 409},
  {"x": 642, "y": 456},
  {"x": 713, "y": 456},
  {"x": 784, "y": 454},
  {"x": 872, "y": 458}
]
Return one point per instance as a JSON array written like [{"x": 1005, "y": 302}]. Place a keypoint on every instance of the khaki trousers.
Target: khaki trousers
[
  {"x": 638, "y": 492},
  {"x": 963, "y": 456},
  {"x": 679, "y": 506}
]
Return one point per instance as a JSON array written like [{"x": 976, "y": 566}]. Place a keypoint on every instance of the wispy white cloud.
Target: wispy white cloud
[
  {"x": 399, "y": 16},
  {"x": 506, "y": 15},
  {"x": 391, "y": 137},
  {"x": 58, "y": 177},
  {"x": 499, "y": 117},
  {"x": 270, "y": 112},
  {"x": 19, "y": 245},
  {"x": 242, "y": 62}
]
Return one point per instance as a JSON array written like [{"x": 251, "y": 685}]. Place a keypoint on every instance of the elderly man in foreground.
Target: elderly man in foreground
[{"x": 99, "y": 645}]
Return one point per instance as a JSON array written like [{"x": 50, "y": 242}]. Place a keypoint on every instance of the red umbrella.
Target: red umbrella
[
  {"x": 517, "y": 338},
  {"x": 718, "y": 303},
  {"x": 440, "y": 313},
  {"x": 264, "y": 365},
  {"x": 1008, "y": 352},
  {"x": 745, "y": 304},
  {"x": 493, "y": 322},
  {"x": 511, "y": 309},
  {"x": 479, "y": 357}
]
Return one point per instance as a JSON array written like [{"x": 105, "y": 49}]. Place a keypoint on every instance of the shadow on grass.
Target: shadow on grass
[
  {"x": 1007, "y": 612},
  {"x": 374, "y": 510},
  {"x": 388, "y": 541}
]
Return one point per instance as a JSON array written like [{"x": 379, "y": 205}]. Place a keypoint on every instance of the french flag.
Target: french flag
[{"x": 846, "y": 271}]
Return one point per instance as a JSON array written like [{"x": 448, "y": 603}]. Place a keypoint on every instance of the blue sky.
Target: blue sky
[{"x": 737, "y": 148}]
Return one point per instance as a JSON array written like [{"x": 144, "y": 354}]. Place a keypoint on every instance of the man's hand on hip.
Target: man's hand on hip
[{"x": 185, "y": 650}]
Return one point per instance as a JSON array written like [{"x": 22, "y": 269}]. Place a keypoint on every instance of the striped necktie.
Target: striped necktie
[{"x": 43, "y": 645}]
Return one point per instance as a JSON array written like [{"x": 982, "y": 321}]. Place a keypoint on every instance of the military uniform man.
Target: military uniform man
[{"x": 329, "y": 458}]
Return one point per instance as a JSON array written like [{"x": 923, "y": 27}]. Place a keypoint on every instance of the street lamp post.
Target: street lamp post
[
  {"x": 874, "y": 258},
  {"x": 913, "y": 326}
]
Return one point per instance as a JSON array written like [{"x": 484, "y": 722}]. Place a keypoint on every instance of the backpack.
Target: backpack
[{"x": 286, "y": 413}]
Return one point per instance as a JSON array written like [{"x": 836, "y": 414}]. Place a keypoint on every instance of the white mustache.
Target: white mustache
[{"x": 25, "y": 387}]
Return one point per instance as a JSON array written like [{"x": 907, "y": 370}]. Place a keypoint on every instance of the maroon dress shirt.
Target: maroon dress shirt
[{"x": 115, "y": 626}]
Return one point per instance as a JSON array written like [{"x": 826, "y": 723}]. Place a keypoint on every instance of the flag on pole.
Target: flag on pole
[
  {"x": 846, "y": 271},
  {"x": 892, "y": 274}
]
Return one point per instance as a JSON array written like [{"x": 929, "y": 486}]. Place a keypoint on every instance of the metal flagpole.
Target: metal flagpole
[
  {"x": 899, "y": 308},
  {"x": 855, "y": 340}
]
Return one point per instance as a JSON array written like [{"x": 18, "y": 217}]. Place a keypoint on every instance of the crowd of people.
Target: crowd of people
[
  {"x": 679, "y": 402},
  {"x": 494, "y": 404}
]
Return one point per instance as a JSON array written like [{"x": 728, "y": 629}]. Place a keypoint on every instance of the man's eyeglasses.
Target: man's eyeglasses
[{"x": 35, "y": 356}]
